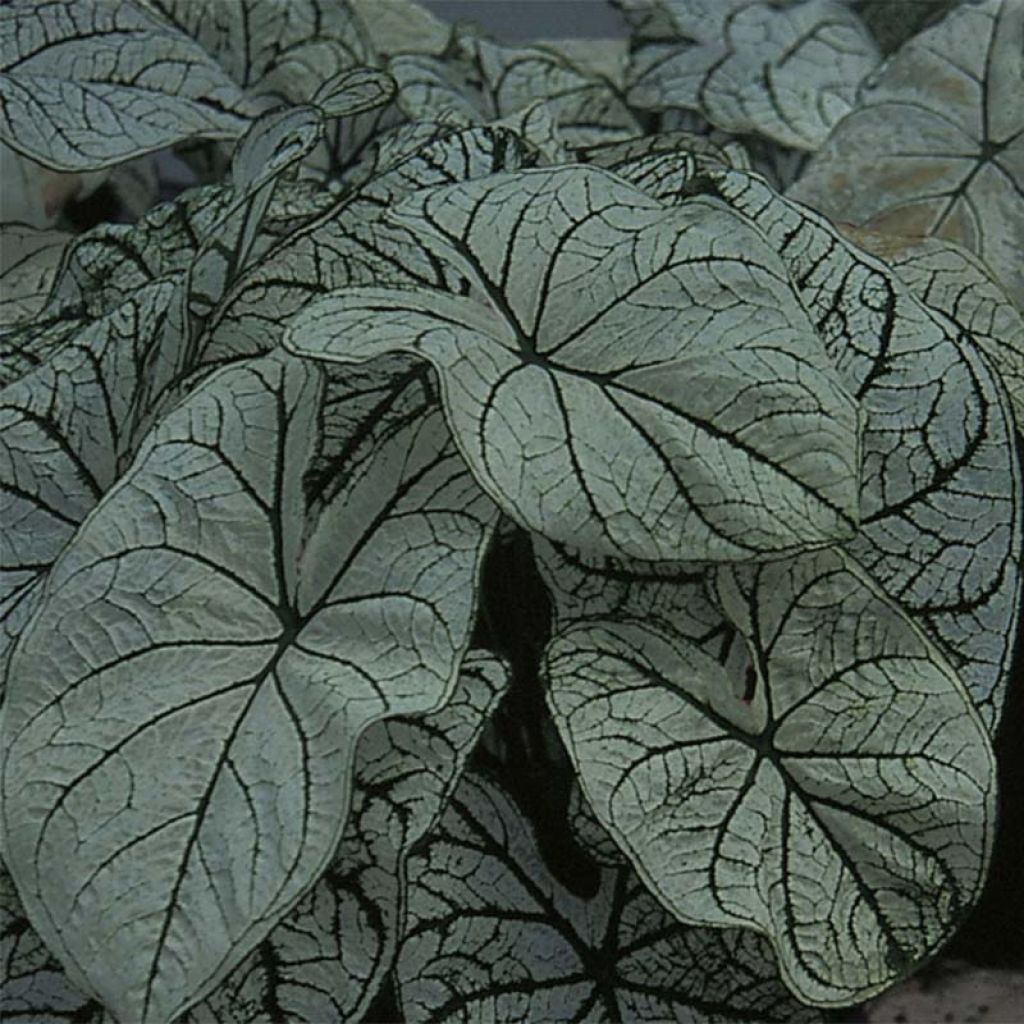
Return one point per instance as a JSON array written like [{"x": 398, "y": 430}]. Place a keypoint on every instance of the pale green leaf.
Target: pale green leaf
[
  {"x": 789, "y": 73},
  {"x": 327, "y": 959},
  {"x": 593, "y": 392},
  {"x": 85, "y": 86},
  {"x": 401, "y": 26},
  {"x": 273, "y": 49},
  {"x": 951, "y": 279},
  {"x": 941, "y": 513},
  {"x": 67, "y": 429},
  {"x": 831, "y": 786},
  {"x": 492, "y": 935},
  {"x": 350, "y": 242},
  {"x": 935, "y": 145},
  {"x": 199, "y": 629},
  {"x": 34, "y": 988},
  {"x": 29, "y": 261}
]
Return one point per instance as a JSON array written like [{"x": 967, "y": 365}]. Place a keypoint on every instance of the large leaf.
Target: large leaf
[
  {"x": 84, "y": 86},
  {"x": 270, "y": 48},
  {"x": 326, "y": 960},
  {"x": 941, "y": 489},
  {"x": 594, "y": 391},
  {"x": 67, "y": 429},
  {"x": 183, "y": 709},
  {"x": 492, "y": 935},
  {"x": 33, "y": 986},
  {"x": 786, "y": 72},
  {"x": 951, "y": 279},
  {"x": 831, "y": 787},
  {"x": 936, "y": 144}
]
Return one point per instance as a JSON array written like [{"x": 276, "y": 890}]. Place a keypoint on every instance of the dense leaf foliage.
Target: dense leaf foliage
[{"x": 524, "y": 532}]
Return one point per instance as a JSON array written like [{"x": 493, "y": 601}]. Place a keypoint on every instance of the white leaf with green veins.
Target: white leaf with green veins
[
  {"x": 493, "y": 935},
  {"x": 832, "y": 788},
  {"x": 593, "y": 391},
  {"x": 199, "y": 629},
  {"x": 29, "y": 261},
  {"x": 85, "y": 86},
  {"x": 951, "y": 279},
  {"x": 789, "y": 73},
  {"x": 67, "y": 429},
  {"x": 941, "y": 503},
  {"x": 935, "y": 145},
  {"x": 273, "y": 49},
  {"x": 327, "y": 959},
  {"x": 350, "y": 242},
  {"x": 34, "y": 988}
]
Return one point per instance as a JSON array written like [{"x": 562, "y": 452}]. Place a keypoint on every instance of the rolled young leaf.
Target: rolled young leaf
[
  {"x": 628, "y": 391},
  {"x": 184, "y": 708},
  {"x": 832, "y": 788}
]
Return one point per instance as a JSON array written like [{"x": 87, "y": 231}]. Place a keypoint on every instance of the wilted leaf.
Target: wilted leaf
[
  {"x": 183, "y": 710},
  {"x": 832, "y": 787},
  {"x": 493, "y": 936},
  {"x": 936, "y": 144},
  {"x": 594, "y": 391}
]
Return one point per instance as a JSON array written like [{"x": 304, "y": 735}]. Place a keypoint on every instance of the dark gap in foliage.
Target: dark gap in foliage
[
  {"x": 522, "y": 747},
  {"x": 99, "y": 207}
]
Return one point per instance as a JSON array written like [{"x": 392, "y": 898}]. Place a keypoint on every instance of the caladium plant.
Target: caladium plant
[{"x": 532, "y": 533}]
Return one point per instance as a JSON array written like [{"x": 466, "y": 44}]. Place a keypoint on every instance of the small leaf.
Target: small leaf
[
  {"x": 29, "y": 261},
  {"x": 594, "y": 391},
  {"x": 843, "y": 806},
  {"x": 85, "y": 86},
  {"x": 198, "y": 629},
  {"x": 935, "y": 145},
  {"x": 492, "y": 935}
]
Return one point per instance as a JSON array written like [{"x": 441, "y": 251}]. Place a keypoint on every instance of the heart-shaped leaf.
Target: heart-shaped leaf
[
  {"x": 493, "y": 935},
  {"x": 199, "y": 629},
  {"x": 628, "y": 391},
  {"x": 935, "y": 146},
  {"x": 832, "y": 787}
]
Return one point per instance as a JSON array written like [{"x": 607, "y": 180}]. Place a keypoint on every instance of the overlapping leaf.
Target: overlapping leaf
[
  {"x": 350, "y": 241},
  {"x": 951, "y": 279},
  {"x": 492, "y": 935},
  {"x": 270, "y": 49},
  {"x": 594, "y": 391},
  {"x": 85, "y": 86},
  {"x": 33, "y": 985},
  {"x": 183, "y": 710},
  {"x": 936, "y": 144},
  {"x": 941, "y": 491},
  {"x": 479, "y": 80},
  {"x": 789, "y": 72},
  {"x": 29, "y": 261},
  {"x": 327, "y": 959},
  {"x": 832, "y": 787},
  {"x": 67, "y": 429}
]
